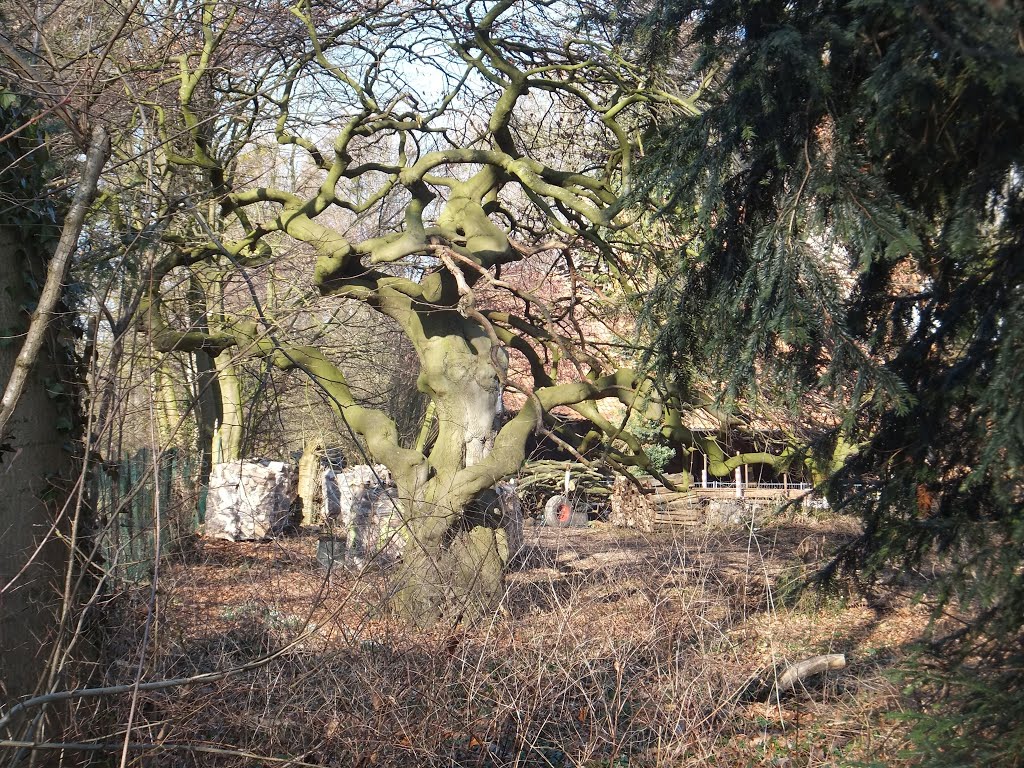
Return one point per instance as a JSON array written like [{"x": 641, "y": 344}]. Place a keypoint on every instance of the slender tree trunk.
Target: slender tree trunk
[
  {"x": 227, "y": 438},
  {"x": 168, "y": 400},
  {"x": 206, "y": 396},
  {"x": 207, "y": 411}
]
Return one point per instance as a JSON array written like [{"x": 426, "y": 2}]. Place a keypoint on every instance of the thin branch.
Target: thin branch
[{"x": 163, "y": 747}]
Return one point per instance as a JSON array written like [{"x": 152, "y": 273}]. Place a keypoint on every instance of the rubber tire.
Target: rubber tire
[{"x": 552, "y": 512}]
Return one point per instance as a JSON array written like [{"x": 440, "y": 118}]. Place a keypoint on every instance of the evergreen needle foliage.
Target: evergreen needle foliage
[{"x": 853, "y": 203}]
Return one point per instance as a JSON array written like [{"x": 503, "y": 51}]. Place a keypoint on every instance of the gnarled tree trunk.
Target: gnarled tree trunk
[
  {"x": 456, "y": 571},
  {"x": 454, "y": 561}
]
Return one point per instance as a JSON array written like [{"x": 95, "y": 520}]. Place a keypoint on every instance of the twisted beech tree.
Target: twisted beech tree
[{"x": 498, "y": 135}]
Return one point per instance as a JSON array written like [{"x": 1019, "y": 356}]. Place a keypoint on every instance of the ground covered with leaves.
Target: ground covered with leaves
[{"x": 611, "y": 648}]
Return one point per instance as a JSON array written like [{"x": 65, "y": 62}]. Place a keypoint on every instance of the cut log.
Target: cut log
[
  {"x": 766, "y": 685},
  {"x": 672, "y": 523},
  {"x": 796, "y": 673}
]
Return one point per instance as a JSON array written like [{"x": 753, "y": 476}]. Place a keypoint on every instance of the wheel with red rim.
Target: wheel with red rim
[
  {"x": 564, "y": 513},
  {"x": 558, "y": 512}
]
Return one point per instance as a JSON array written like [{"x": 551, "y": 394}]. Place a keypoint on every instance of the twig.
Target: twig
[
  {"x": 167, "y": 747},
  {"x": 156, "y": 685}
]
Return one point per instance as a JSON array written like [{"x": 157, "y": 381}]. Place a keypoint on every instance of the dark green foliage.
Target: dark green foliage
[
  {"x": 29, "y": 199},
  {"x": 853, "y": 201},
  {"x": 966, "y": 715},
  {"x": 24, "y": 168},
  {"x": 33, "y": 209}
]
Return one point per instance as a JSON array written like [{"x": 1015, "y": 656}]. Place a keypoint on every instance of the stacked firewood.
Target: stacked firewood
[{"x": 650, "y": 503}]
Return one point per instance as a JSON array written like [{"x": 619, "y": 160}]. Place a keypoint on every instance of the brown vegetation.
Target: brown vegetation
[{"x": 611, "y": 647}]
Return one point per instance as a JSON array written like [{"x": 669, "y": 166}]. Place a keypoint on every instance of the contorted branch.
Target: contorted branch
[{"x": 458, "y": 191}]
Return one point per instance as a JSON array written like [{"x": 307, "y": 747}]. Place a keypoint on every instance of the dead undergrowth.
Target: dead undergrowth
[{"x": 611, "y": 648}]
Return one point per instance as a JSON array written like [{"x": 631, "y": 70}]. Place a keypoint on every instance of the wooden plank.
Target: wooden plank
[
  {"x": 681, "y": 504},
  {"x": 679, "y": 510},
  {"x": 684, "y": 509},
  {"x": 748, "y": 493},
  {"x": 678, "y": 515},
  {"x": 715, "y": 493},
  {"x": 670, "y": 496},
  {"x": 676, "y": 522},
  {"x": 772, "y": 493}
]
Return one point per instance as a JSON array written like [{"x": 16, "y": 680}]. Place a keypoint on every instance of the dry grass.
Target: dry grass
[{"x": 611, "y": 648}]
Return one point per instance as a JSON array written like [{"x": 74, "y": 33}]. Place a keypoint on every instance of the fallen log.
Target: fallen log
[
  {"x": 765, "y": 686},
  {"x": 796, "y": 673}
]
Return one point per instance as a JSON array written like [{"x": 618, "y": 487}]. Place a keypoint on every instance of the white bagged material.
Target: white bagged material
[{"x": 250, "y": 499}]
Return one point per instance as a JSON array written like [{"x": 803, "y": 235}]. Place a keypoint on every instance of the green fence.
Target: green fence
[{"x": 139, "y": 497}]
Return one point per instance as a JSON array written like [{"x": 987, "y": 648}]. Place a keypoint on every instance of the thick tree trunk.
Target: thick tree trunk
[
  {"x": 456, "y": 545},
  {"x": 454, "y": 562},
  {"x": 454, "y": 573},
  {"x": 53, "y": 287},
  {"x": 460, "y": 376},
  {"x": 38, "y": 414},
  {"x": 32, "y": 559}
]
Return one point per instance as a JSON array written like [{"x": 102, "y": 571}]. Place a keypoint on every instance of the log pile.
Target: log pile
[
  {"x": 652, "y": 504},
  {"x": 630, "y": 508},
  {"x": 540, "y": 480}
]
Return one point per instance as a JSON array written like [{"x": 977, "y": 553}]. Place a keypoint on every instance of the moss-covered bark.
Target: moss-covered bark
[
  {"x": 454, "y": 571},
  {"x": 228, "y": 433},
  {"x": 167, "y": 404}
]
